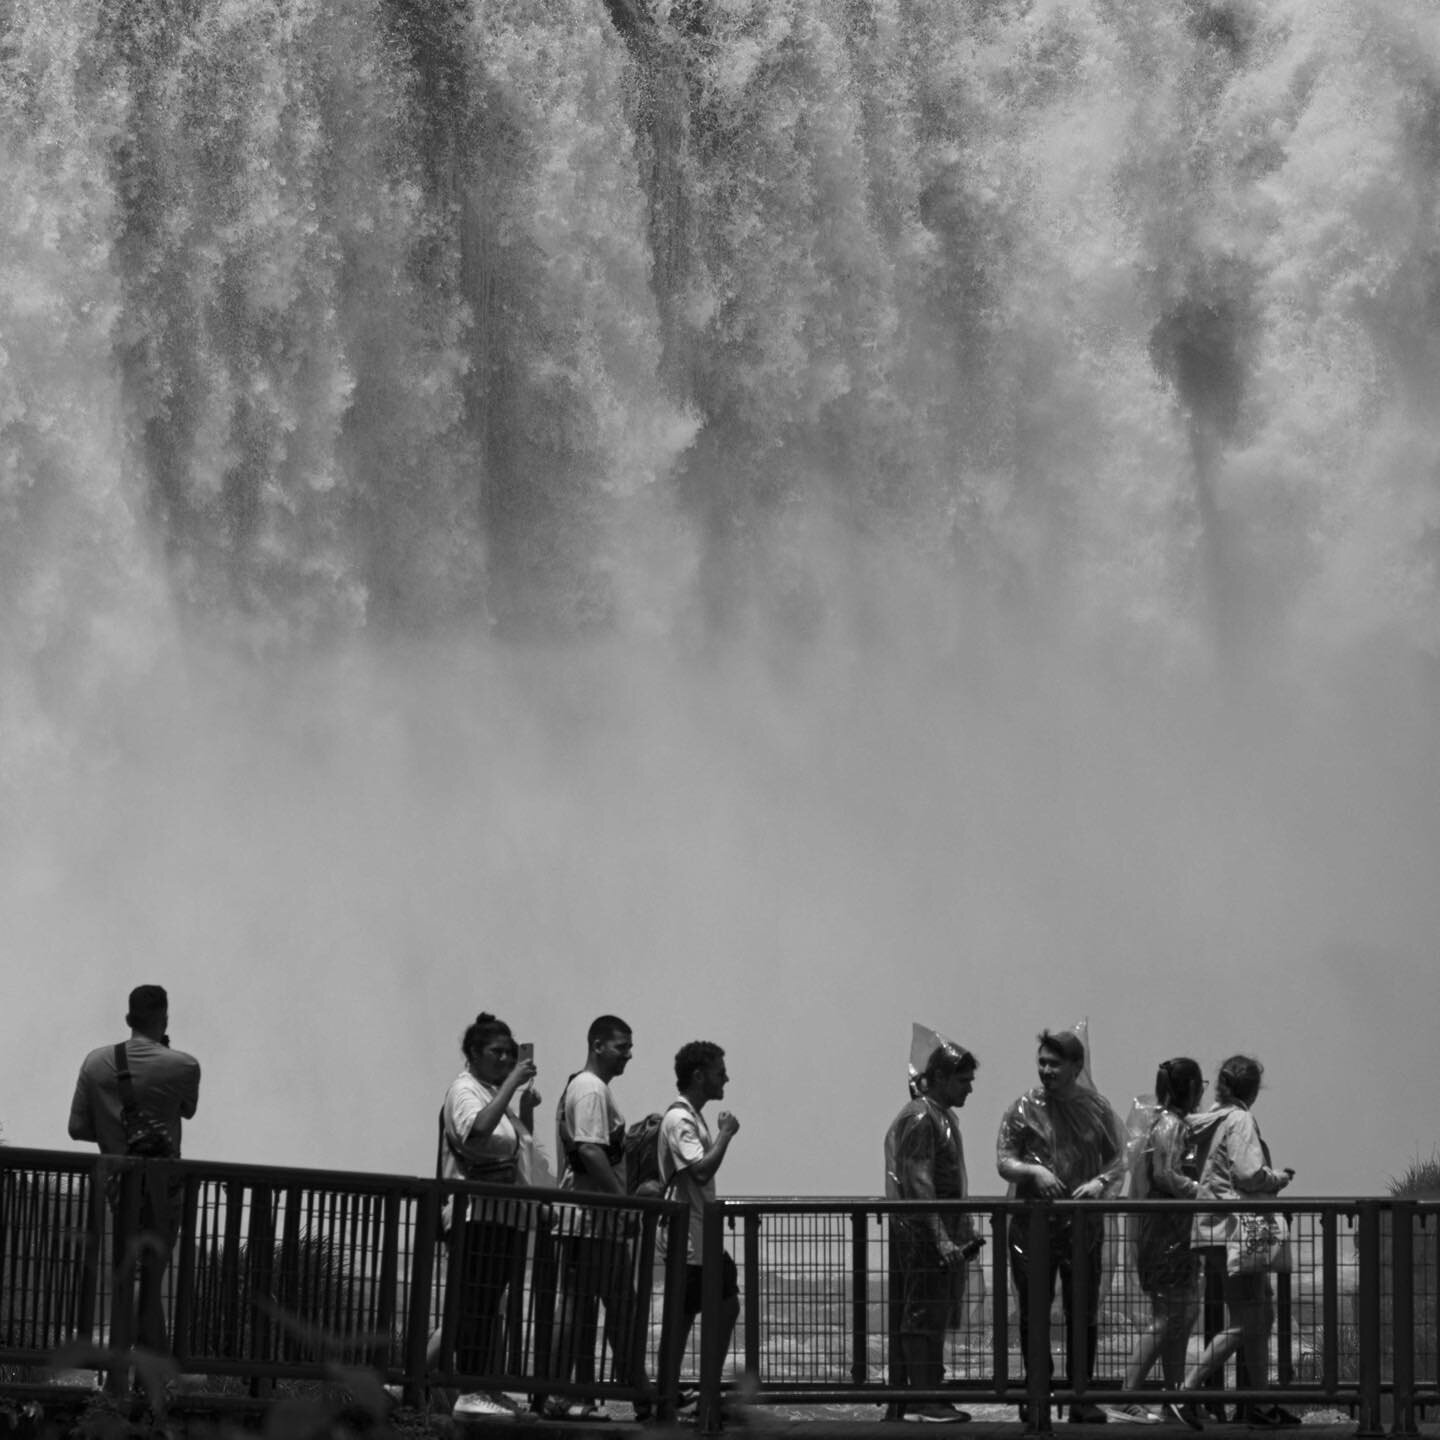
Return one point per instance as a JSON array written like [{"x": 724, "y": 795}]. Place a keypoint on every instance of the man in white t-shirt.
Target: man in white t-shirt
[
  {"x": 689, "y": 1157},
  {"x": 598, "y": 1260}
]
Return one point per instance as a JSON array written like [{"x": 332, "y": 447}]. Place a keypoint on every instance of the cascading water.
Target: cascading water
[{"x": 563, "y": 441}]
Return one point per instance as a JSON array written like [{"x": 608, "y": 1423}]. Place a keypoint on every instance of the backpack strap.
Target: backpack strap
[
  {"x": 122, "y": 1078},
  {"x": 679, "y": 1170}
]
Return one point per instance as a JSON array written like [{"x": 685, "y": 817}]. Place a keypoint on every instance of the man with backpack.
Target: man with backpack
[
  {"x": 598, "y": 1257},
  {"x": 130, "y": 1099},
  {"x": 689, "y": 1156}
]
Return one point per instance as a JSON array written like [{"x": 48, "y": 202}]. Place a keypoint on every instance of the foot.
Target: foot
[
  {"x": 1086, "y": 1414},
  {"x": 1272, "y": 1417},
  {"x": 482, "y": 1405},
  {"x": 936, "y": 1412},
  {"x": 1186, "y": 1414},
  {"x": 1132, "y": 1414},
  {"x": 557, "y": 1407}
]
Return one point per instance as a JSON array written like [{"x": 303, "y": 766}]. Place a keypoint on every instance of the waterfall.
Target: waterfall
[{"x": 509, "y": 462}]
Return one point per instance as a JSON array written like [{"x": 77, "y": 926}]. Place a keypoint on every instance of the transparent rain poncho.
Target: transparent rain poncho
[
  {"x": 1160, "y": 1160},
  {"x": 924, "y": 1153},
  {"x": 1078, "y": 1137}
]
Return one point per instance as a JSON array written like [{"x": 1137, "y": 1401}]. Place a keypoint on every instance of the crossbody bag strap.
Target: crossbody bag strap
[
  {"x": 122, "y": 1078},
  {"x": 466, "y": 1163}
]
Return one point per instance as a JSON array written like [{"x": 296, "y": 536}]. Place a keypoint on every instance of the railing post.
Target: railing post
[
  {"x": 1077, "y": 1330},
  {"x": 1402, "y": 1292},
  {"x": 859, "y": 1297},
  {"x": 422, "y": 1283},
  {"x": 897, "y": 1372},
  {"x": 182, "y": 1323},
  {"x": 1037, "y": 1332},
  {"x": 1368, "y": 1318},
  {"x": 123, "y": 1179},
  {"x": 1330, "y": 1301},
  {"x": 753, "y": 1293},
  {"x": 1000, "y": 1297},
  {"x": 712, "y": 1358},
  {"x": 672, "y": 1332}
]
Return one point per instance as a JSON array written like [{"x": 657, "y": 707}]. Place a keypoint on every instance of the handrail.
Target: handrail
[
  {"x": 279, "y": 1272},
  {"x": 1351, "y": 1333},
  {"x": 285, "y": 1272}
]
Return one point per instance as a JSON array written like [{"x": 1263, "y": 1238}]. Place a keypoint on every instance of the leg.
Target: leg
[
  {"x": 487, "y": 1269},
  {"x": 1181, "y": 1308},
  {"x": 156, "y": 1240},
  {"x": 1081, "y": 1349},
  {"x": 1020, "y": 1276},
  {"x": 1247, "y": 1298},
  {"x": 623, "y": 1333}
]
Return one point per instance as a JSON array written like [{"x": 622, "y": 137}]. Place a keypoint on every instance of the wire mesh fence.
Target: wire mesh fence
[{"x": 262, "y": 1275}]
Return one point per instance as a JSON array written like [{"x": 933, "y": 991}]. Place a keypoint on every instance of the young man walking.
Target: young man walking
[
  {"x": 598, "y": 1257},
  {"x": 689, "y": 1157}
]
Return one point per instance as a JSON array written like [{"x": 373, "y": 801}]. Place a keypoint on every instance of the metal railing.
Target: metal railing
[
  {"x": 276, "y": 1276},
  {"x": 1355, "y": 1315},
  {"x": 262, "y": 1275}
]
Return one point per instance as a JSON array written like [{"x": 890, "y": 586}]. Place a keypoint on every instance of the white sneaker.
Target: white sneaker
[
  {"x": 480, "y": 1403},
  {"x": 1131, "y": 1414}
]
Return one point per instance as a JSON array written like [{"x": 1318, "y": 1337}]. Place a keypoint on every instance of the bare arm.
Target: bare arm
[
  {"x": 82, "y": 1123},
  {"x": 491, "y": 1115},
  {"x": 705, "y": 1167}
]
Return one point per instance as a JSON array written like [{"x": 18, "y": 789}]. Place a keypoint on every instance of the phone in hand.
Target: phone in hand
[{"x": 527, "y": 1052}]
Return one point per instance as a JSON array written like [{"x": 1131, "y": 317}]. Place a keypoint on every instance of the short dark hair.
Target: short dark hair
[
  {"x": 1240, "y": 1075},
  {"x": 148, "y": 1003},
  {"x": 696, "y": 1055},
  {"x": 949, "y": 1060},
  {"x": 1175, "y": 1079},
  {"x": 604, "y": 1027},
  {"x": 1065, "y": 1043},
  {"x": 484, "y": 1028}
]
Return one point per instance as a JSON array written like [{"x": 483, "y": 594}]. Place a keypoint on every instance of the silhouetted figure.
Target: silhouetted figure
[
  {"x": 130, "y": 1099},
  {"x": 689, "y": 1157},
  {"x": 925, "y": 1160},
  {"x": 485, "y": 1136},
  {"x": 1063, "y": 1141}
]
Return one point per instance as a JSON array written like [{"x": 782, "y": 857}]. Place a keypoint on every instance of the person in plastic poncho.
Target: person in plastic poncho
[
  {"x": 925, "y": 1160},
  {"x": 1060, "y": 1141},
  {"x": 1163, "y": 1166}
]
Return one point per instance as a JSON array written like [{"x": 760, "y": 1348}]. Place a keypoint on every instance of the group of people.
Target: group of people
[
  {"x": 132, "y": 1097},
  {"x": 1063, "y": 1140},
  {"x": 487, "y": 1134}
]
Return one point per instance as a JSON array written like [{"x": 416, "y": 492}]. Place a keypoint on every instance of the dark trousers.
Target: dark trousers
[
  {"x": 145, "y": 1252},
  {"x": 492, "y": 1264},
  {"x": 1084, "y": 1270}
]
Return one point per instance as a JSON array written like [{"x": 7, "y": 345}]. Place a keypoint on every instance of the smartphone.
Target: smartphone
[{"x": 527, "y": 1052}]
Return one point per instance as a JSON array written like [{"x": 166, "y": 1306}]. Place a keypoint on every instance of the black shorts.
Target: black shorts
[{"x": 695, "y": 1284}]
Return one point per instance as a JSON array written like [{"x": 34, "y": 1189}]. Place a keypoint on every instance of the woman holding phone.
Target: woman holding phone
[{"x": 485, "y": 1136}]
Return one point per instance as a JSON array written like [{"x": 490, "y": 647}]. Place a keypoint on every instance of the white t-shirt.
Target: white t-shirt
[
  {"x": 684, "y": 1139},
  {"x": 588, "y": 1115},
  {"x": 508, "y": 1141}
]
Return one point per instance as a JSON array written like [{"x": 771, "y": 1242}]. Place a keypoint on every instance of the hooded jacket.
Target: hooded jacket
[{"x": 1234, "y": 1164}]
